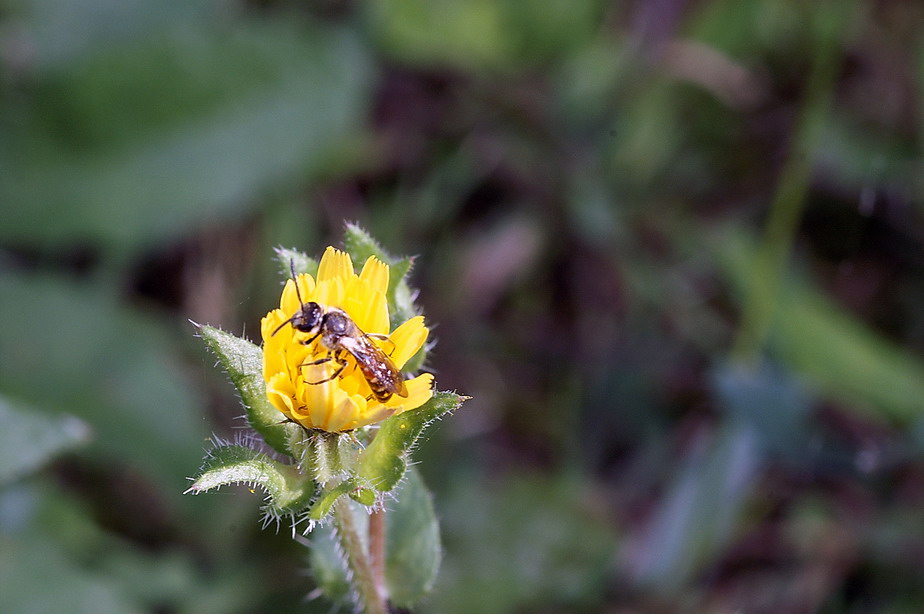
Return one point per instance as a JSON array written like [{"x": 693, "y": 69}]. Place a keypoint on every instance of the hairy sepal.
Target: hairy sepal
[
  {"x": 384, "y": 462},
  {"x": 243, "y": 362},
  {"x": 292, "y": 258},
  {"x": 288, "y": 491}
]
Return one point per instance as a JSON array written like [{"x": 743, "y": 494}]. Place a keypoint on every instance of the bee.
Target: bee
[{"x": 341, "y": 336}]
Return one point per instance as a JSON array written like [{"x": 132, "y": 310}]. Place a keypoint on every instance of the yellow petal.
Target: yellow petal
[
  {"x": 289, "y": 302},
  {"x": 271, "y": 322},
  {"x": 419, "y": 391},
  {"x": 330, "y": 293},
  {"x": 274, "y": 361},
  {"x": 352, "y": 381},
  {"x": 376, "y": 413},
  {"x": 318, "y": 398},
  {"x": 408, "y": 339},
  {"x": 371, "y": 315},
  {"x": 375, "y": 274},
  {"x": 344, "y": 413},
  {"x": 334, "y": 264},
  {"x": 280, "y": 392}
]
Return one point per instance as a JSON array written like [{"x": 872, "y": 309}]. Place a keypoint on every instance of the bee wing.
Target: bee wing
[{"x": 376, "y": 362}]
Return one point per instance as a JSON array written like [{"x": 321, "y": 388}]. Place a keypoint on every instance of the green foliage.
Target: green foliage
[
  {"x": 22, "y": 591},
  {"x": 480, "y": 34},
  {"x": 328, "y": 457},
  {"x": 528, "y": 542},
  {"x": 412, "y": 547},
  {"x": 695, "y": 518},
  {"x": 72, "y": 347},
  {"x": 139, "y": 143},
  {"x": 364, "y": 496},
  {"x": 322, "y": 507},
  {"x": 243, "y": 362},
  {"x": 768, "y": 403},
  {"x": 384, "y": 461},
  {"x": 287, "y": 490},
  {"x": 567, "y": 172},
  {"x": 29, "y": 439},
  {"x": 841, "y": 355},
  {"x": 327, "y": 565}
]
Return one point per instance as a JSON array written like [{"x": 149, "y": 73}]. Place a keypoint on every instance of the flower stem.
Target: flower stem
[
  {"x": 377, "y": 548},
  {"x": 369, "y": 593}
]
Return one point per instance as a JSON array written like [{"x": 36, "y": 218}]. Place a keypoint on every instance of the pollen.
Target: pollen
[{"x": 324, "y": 387}]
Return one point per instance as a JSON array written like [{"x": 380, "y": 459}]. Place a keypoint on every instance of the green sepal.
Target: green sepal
[
  {"x": 326, "y": 457},
  {"x": 365, "y": 496},
  {"x": 413, "y": 549},
  {"x": 303, "y": 263},
  {"x": 325, "y": 502},
  {"x": 243, "y": 362},
  {"x": 384, "y": 462},
  {"x": 359, "y": 244},
  {"x": 288, "y": 490}
]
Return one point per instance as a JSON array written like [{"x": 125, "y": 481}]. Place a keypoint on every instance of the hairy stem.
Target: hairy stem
[{"x": 371, "y": 599}]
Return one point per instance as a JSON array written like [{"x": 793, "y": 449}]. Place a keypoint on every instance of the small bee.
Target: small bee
[{"x": 340, "y": 335}]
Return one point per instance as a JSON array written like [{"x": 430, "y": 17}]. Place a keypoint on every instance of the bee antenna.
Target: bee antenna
[
  {"x": 297, "y": 291},
  {"x": 280, "y": 327}
]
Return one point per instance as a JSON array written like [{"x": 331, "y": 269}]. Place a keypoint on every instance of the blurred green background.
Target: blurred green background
[{"x": 673, "y": 250}]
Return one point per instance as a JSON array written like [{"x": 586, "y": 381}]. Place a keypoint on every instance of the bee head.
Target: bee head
[{"x": 308, "y": 318}]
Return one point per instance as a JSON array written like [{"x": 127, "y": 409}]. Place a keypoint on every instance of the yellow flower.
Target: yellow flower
[{"x": 345, "y": 402}]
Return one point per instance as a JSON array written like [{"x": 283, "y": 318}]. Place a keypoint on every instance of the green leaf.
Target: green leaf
[
  {"x": 243, "y": 362},
  {"x": 699, "y": 512},
  {"x": 327, "y": 563},
  {"x": 384, "y": 462},
  {"x": 103, "y": 362},
  {"x": 772, "y": 404},
  {"x": 412, "y": 550},
  {"x": 29, "y": 439},
  {"x": 847, "y": 359},
  {"x": 480, "y": 35},
  {"x": 322, "y": 506},
  {"x": 63, "y": 32},
  {"x": 521, "y": 543},
  {"x": 289, "y": 491},
  {"x": 302, "y": 262},
  {"x": 839, "y": 354},
  {"x": 27, "y": 564},
  {"x": 167, "y": 131}
]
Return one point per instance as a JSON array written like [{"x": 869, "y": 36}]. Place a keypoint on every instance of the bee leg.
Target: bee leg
[
  {"x": 313, "y": 337},
  {"x": 384, "y": 338},
  {"x": 338, "y": 359},
  {"x": 316, "y": 362},
  {"x": 380, "y": 399}
]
